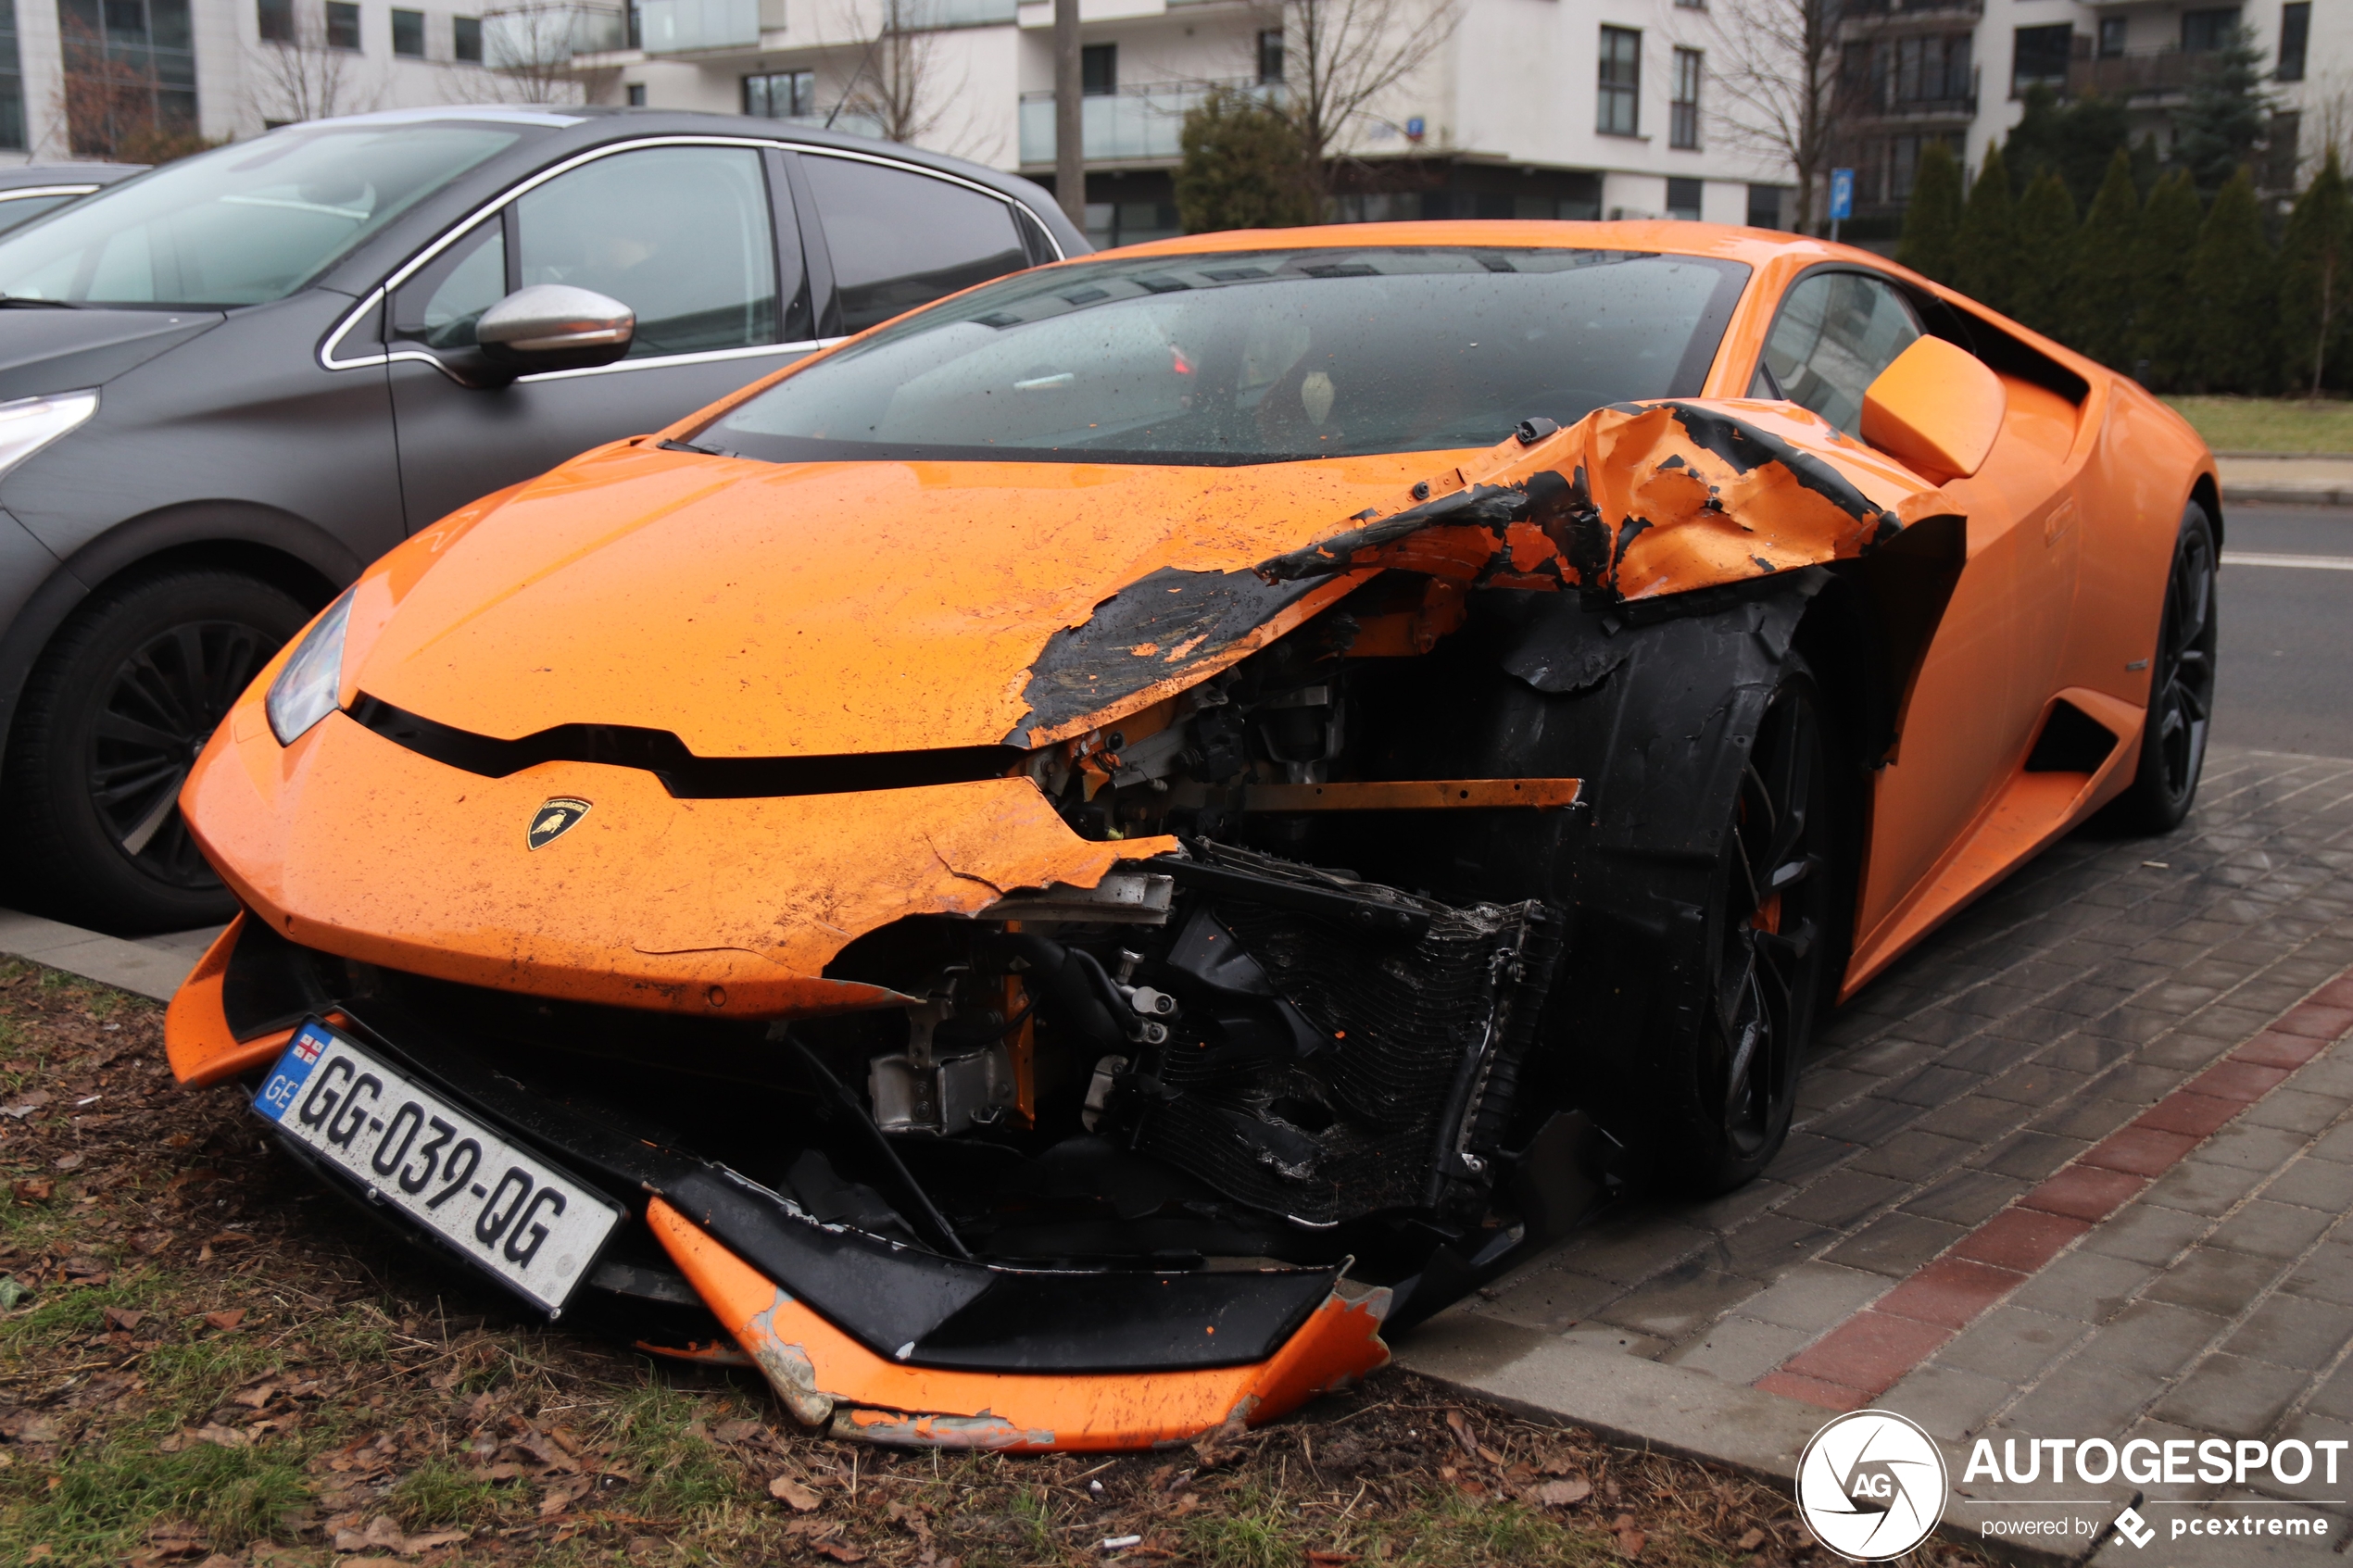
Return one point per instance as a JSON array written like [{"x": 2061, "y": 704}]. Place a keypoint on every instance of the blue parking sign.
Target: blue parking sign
[{"x": 1842, "y": 192}]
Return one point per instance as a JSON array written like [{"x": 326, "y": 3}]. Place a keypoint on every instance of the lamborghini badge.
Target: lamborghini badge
[{"x": 553, "y": 819}]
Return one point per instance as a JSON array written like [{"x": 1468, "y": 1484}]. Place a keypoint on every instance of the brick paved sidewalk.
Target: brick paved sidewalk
[{"x": 2047, "y": 1181}]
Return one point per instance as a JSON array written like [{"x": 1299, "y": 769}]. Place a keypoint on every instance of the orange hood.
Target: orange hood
[
  {"x": 760, "y": 610},
  {"x": 755, "y": 610}
]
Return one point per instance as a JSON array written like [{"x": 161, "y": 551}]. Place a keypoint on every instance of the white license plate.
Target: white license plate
[{"x": 500, "y": 1206}]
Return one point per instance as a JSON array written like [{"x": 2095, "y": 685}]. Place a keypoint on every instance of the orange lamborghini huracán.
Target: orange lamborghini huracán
[{"x": 1050, "y": 872}]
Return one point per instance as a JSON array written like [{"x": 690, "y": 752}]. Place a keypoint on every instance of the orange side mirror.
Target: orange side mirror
[{"x": 1936, "y": 410}]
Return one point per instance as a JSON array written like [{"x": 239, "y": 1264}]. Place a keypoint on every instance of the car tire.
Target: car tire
[
  {"x": 115, "y": 711},
  {"x": 2181, "y": 702},
  {"x": 1772, "y": 928}
]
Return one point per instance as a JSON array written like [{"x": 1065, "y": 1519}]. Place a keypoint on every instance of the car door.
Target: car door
[
  {"x": 1993, "y": 664},
  {"x": 699, "y": 238}
]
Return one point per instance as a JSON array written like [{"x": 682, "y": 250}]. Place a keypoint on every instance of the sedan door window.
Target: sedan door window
[
  {"x": 681, "y": 235},
  {"x": 901, "y": 239},
  {"x": 1836, "y": 333}
]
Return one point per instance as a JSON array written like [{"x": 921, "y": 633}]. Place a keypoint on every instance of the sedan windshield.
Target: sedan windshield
[
  {"x": 1253, "y": 357},
  {"x": 245, "y": 223}
]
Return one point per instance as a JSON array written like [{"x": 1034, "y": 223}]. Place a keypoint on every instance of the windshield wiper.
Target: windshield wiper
[{"x": 21, "y": 301}]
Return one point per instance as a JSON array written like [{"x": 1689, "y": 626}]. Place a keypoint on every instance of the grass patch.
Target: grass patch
[
  {"x": 107, "y": 1495},
  {"x": 680, "y": 1472},
  {"x": 2270, "y": 424},
  {"x": 440, "y": 1493}
]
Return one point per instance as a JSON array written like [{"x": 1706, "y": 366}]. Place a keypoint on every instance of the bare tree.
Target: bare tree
[
  {"x": 1340, "y": 55},
  {"x": 533, "y": 48},
  {"x": 304, "y": 77},
  {"x": 895, "y": 85},
  {"x": 898, "y": 89},
  {"x": 1775, "y": 65}
]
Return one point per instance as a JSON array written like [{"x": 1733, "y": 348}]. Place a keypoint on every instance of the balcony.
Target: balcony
[
  {"x": 1139, "y": 124},
  {"x": 1864, "y": 15},
  {"x": 2134, "y": 73},
  {"x": 549, "y": 32},
  {"x": 921, "y": 16},
  {"x": 683, "y": 26}
]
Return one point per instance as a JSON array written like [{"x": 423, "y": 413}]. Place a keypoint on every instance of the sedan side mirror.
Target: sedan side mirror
[
  {"x": 1936, "y": 410},
  {"x": 555, "y": 327}
]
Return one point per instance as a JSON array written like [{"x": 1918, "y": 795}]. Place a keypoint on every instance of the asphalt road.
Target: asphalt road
[{"x": 2285, "y": 676}]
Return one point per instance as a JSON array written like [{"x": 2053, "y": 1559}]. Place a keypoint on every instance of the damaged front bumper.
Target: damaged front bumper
[{"x": 858, "y": 1332}]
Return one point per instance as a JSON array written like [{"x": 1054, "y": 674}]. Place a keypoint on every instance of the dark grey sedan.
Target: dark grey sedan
[
  {"x": 229, "y": 384},
  {"x": 30, "y": 190}
]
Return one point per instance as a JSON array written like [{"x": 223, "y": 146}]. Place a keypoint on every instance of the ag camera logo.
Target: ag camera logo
[{"x": 1871, "y": 1486}]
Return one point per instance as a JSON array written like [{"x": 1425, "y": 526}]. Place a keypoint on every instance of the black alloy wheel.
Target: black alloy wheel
[
  {"x": 116, "y": 713},
  {"x": 153, "y": 720},
  {"x": 2180, "y": 704},
  {"x": 1772, "y": 924}
]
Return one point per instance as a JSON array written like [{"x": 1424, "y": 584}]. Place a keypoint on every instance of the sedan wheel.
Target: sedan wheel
[{"x": 112, "y": 721}]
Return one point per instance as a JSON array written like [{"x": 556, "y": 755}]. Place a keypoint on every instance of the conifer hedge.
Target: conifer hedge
[{"x": 2180, "y": 293}]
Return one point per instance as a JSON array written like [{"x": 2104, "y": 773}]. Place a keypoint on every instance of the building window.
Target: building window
[
  {"x": 276, "y": 20},
  {"x": 1270, "y": 54},
  {"x": 1933, "y": 70},
  {"x": 1682, "y": 118},
  {"x": 1621, "y": 82},
  {"x": 1693, "y": 5},
  {"x": 1765, "y": 205},
  {"x": 2040, "y": 57},
  {"x": 408, "y": 34},
  {"x": 465, "y": 39},
  {"x": 2296, "y": 30},
  {"x": 1863, "y": 75},
  {"x": 781, "y": 95},
  {"x": 636, "y": 94},
  {"x": 11, "y": 81},
  {"x": 1683, "y": 199},
  {"x": 2113, "y": 37},
  {"x": 1099, "y": 69},
  {"x": 130, "y": 74},
  {"x": 343, "y": 24},
  {"x": 2284, "y": 146},
  {"x": 2205, "y": 31}
]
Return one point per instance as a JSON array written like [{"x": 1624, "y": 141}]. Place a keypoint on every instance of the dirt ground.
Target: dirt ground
[{"x": 206, "y": 1361}]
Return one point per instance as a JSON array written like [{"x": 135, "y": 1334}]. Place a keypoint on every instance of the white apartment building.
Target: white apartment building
[
  {"x": 1531, "y": 108},
  {"x": 1572, "y": 109},
  {"x": 227, "y": 68},
  {"x": 1569, "y": 108},
  {"x": 1916, "y": 72}
]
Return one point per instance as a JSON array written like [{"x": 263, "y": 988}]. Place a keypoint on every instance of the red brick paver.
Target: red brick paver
[{"x": 1875, "y": 1349}]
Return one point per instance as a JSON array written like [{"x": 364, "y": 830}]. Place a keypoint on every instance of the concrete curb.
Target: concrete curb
[
  {"x": 2295, "y": 494},
  {"x": 152, "y": 967},
  {"x": 1663, "y": 1409}
]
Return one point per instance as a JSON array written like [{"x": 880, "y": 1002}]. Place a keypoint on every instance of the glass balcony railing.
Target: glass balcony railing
[
  {"x": 549, "y": 32},
  {"x": 1135, "y": 124},
  {"x": 678, "y": 27}
]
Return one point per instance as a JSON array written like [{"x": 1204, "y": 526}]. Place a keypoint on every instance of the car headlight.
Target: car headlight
[
  {"x": 30, "y": 423},
  {"x": 304, "y": 692}
]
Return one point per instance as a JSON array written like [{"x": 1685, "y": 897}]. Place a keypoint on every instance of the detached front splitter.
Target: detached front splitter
[{"x": 824, "y": 1376}]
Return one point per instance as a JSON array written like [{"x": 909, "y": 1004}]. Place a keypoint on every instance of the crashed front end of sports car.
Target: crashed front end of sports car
[{"x": 1058, "y": 948}]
